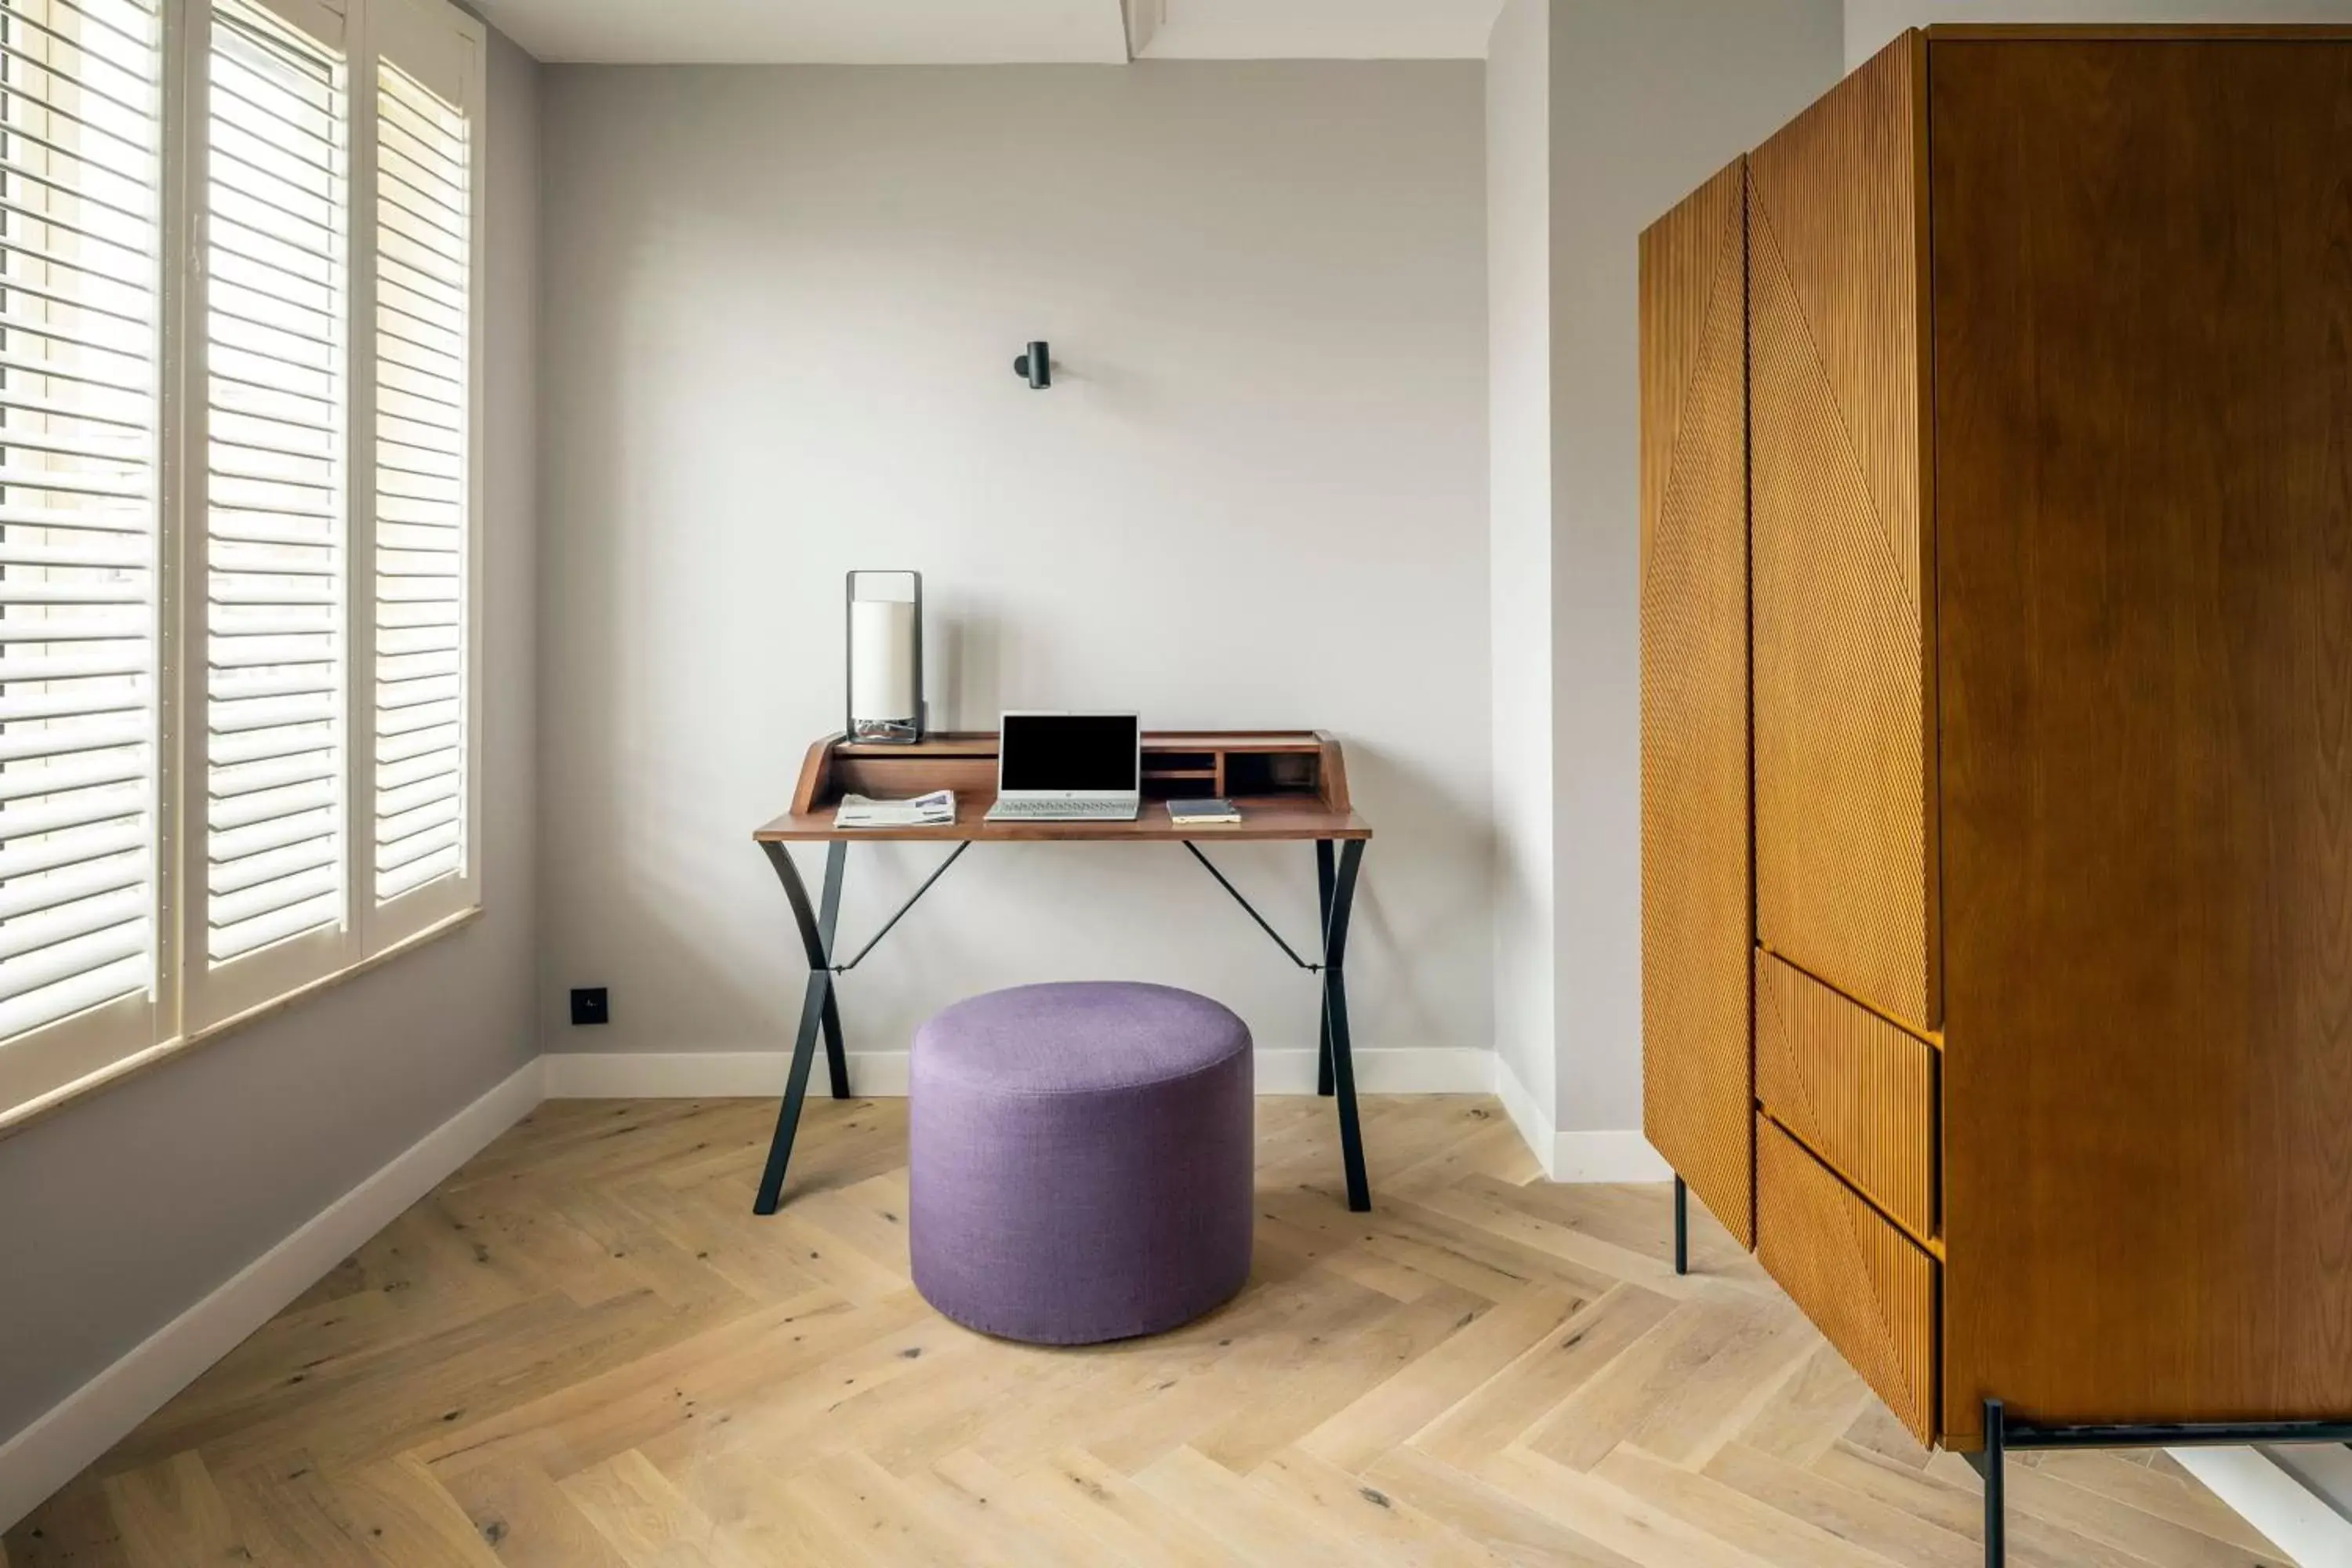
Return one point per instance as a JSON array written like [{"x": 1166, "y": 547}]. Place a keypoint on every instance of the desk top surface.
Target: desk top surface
[{"x": 1264, "y": 819}]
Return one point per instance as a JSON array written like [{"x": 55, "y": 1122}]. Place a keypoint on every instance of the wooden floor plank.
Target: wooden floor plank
[
  {"x": 1805, "y": 1493},
  {"x": 646, "y": 1520},
  {"x": 1391, "y": 1411},
  {"x": 583, "y": 1351},
  {"x": 1253, "y": 1526},
  {"x": 1388, "y": 1527},
  {"x": 403, "y": 1518},
  {"x": 522, "y": 1514},
  {"x": 171, "y": 1516},
  {"x": 999, "y": 1519},
  {"x": 1525, "y": 1395}
]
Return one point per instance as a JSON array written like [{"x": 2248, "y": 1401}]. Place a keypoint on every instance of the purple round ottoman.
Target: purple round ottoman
[{"x": 1080, "y": 1161}]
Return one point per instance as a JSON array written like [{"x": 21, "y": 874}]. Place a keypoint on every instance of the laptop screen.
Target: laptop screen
[{"x": 1069, "y": 752}]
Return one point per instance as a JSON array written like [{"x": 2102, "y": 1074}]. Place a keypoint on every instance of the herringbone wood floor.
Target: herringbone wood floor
[{"x": 583, "y": 1352}]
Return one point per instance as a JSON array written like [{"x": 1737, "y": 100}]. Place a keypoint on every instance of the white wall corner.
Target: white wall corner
[
  {"x": 752, "y": 1075},
  {"x": 80, "y": 1428},
  {"x": 1604, "y": 1157},
  {"x": 1527, "y": 1114}
]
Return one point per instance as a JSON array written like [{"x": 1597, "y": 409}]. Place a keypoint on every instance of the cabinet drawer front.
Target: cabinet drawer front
[
  {"x": 1858, "y": 1091},
  {"x": 1866, "y": 1286}
]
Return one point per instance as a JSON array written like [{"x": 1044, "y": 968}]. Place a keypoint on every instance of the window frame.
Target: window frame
[{"x": 193, "y": 1000}]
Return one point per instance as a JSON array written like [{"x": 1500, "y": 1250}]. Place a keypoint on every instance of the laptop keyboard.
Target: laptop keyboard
[{"x": 1062, "y": 811}]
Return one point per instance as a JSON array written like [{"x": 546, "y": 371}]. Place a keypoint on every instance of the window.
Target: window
[{"x": 238, "y": 560}]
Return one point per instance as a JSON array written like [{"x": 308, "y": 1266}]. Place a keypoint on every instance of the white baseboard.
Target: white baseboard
[
  {"x": 1576, "y": 1157},
  {"x": 78, "y": 1429},
  {"x": 1434, "y": 1069},
  {"x": 706, "y": 1075},
  {"x": 721, "y": 1075},
  {"x": 2275, "y": 1500}
]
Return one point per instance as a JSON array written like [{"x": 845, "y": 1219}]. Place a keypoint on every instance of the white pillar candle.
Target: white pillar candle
[{"x": 882, "y": 661}]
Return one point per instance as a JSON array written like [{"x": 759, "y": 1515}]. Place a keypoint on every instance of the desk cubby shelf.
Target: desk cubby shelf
[{"x": 1273, "y": 767}]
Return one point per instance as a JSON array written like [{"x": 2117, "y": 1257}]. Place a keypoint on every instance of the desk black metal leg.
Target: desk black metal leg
[
  {"x": 1335, "y": 1006},
  {"x": 1324, "y": 876},
  {"x": 837, "y": 1056},
  {"x": 1682, "y": 1227},
  {"x": 817, "y": 1009}
]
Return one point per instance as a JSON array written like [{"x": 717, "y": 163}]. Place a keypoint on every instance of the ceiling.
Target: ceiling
[{"x": 989, "y": 32}]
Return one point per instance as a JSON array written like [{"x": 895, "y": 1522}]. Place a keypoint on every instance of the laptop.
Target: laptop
[{"x": 1069, "y": 767}]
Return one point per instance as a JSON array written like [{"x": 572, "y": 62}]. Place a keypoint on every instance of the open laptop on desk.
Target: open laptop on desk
[{"x": 1069, "y": 767}]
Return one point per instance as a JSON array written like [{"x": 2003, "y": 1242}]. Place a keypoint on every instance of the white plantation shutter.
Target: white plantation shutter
[
  {"x": 277, "y": 650},
  {"x": 423, "y": 415},
  {"x": 80, "y": 113},
  {"x": 239, "y": 488}
]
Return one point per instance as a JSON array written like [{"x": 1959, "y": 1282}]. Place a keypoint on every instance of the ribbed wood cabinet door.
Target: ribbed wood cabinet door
[
  {"x": 1696, "y": 920},
  {"x": 1845, "y": 841}
]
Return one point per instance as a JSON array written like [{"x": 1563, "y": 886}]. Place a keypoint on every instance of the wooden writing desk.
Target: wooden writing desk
[{"x": 1289, "y": 785}]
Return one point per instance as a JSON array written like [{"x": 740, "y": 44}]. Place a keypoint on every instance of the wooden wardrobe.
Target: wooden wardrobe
[{"x": 1997, "y": 720}]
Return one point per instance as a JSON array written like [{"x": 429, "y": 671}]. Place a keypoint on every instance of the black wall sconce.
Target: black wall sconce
[{"x": 1037, "y": 366}]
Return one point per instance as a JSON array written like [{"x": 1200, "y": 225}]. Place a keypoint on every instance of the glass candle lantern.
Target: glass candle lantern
[{"x": 886, "y": 656}]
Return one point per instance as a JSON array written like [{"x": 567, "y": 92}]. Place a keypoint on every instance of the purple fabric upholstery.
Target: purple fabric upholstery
[{"x": 1080, "y": 1161}]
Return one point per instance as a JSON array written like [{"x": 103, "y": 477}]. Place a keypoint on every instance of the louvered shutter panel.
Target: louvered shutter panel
[
  {"x": 423, "y": 485},
  {"x": 275, "y": 547},
  {"x": 80, "y": 111}
]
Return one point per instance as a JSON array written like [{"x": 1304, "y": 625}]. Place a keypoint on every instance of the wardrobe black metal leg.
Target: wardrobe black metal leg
[
  {"x": 1681, "y": 1227},
  {"x": 1323, "y": 875},
  {"x": 1335, "y": 1005},
  {"x": 816, "y": 1007},
  {"x": 1991, "y": 1467}
]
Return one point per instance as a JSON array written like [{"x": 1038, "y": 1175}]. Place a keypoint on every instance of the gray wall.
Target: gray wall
[
  {"x": 1643, "y": 99},
  {"x": 1256, "y": 495},
  {"x": 1649, "y": 98},
  {"x": 124, "y": 1210}
]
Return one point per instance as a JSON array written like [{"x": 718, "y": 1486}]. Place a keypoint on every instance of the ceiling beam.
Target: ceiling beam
[
  {"x": 1315, "y": 30},
  {"x": 1143, "y": 19}
]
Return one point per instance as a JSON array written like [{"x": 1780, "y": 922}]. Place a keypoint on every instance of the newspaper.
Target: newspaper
[{"x": 936, "y": 809}]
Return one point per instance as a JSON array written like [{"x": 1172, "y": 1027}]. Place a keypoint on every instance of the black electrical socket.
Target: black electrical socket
[{"x": 590, "y": 1005}]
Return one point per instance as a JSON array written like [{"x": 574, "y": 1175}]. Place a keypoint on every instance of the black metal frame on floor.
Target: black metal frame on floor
[
  {"x": 2005, "y": 1434},
  {"x": 1336, "y": 865}
]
